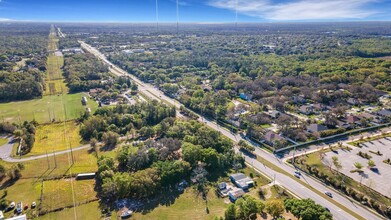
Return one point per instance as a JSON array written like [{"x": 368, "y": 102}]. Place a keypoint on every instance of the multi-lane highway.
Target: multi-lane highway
[{"x": 306, "y": 190}]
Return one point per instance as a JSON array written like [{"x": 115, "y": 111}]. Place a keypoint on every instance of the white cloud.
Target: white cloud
[
  {"x": 298, "y": 9},
  {"x": 5, "y": 19}
]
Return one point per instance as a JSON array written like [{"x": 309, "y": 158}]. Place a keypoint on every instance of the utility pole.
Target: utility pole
[
  {"x": 73, "y": 161},
  {"x": 47, "y": 159},
  {"x": 55, "y": 161}
]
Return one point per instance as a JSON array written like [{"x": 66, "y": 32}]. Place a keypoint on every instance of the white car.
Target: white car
[{"x": 12, "y": 205}]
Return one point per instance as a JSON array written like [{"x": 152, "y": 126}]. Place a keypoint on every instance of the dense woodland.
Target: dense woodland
[
  {"x": 173, "y": 150},
  {"x": 23, "y": 51},
  {"x": 84, "y": 72}
]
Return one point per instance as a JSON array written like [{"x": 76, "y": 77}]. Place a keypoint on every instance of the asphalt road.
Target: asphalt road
[
  {"x": 284, "y": 180},
  {"x": 6, "y": 150}
]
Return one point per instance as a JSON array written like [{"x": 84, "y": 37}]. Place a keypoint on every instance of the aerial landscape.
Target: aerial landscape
[{"x": 185, "y": 109}]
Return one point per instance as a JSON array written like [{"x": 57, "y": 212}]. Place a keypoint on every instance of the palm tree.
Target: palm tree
[
  {"x": 371, "y": 164},
  {"x": 336, "y": 163}
]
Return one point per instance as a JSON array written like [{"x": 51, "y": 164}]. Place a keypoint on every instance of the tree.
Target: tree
[
  {"x": 199, "y": 174},
  {"x": 358, "y": 165},
  {"x": 275, "y": 207},
  {"x": 110, "y": 138},
  {"x": 230, "y": 213},
  {"x": 307, "y": 209},
  {"x": 371, "y": 164},
  {"x": 248, "y": 207},
  {"x": 336, "y": 163}
]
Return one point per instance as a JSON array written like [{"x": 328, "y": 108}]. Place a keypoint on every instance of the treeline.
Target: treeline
[
  {"x": 20, "y": 86},
  {"x": 67, "y": 42},
  {"x": 24, "y": 132},
  {"x": 84, "y": 72}
]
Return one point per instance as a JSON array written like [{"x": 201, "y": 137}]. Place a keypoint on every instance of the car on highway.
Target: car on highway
[
  {"x": 329, "y": 194},
  {"x": 297, "y": 175},
  {"x": 327, "y": 209}
]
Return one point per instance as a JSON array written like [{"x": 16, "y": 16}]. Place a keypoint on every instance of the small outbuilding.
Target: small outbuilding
[{"x": 242, "y": 181}]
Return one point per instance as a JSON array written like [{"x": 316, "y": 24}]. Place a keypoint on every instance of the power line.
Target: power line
[
  {"x": 157, "y": 16},
  {"x": 177, "y": 17},
  {"x": 236, "y": 13}
]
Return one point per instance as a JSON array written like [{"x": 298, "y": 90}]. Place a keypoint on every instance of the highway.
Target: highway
[{"x": 287, "y": 181}]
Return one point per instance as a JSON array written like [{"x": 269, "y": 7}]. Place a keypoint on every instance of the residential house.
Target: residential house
[
  {"x": 319, "y": 107},
  {"x": 385, "y": 113},
  {"x": 273, "y": 114},
  {"x": 307, "y": 109},
  {"x": 369, "y": 117},
  {"x": 245, "y": 96},
  {"x": 316, "y": 128},
  {"x": 299, "y": 99},
  {"x": 271, "y": 138},
  {"x": 343, "y": 124},
  {"x": 353, "y": 120},
  {"x": 242, "y": 181}
]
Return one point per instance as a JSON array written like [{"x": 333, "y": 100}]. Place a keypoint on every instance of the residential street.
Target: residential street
[{"x": 286, "y": 181}]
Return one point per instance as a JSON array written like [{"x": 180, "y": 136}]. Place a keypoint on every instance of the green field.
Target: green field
[
  {"x": 56, "y": 137},
  {"x": 59, "y": 193},
  {"x": 46, "y": 109},
  {"x": 188, "y": 204},
  {"x": 89, "y": 211}
]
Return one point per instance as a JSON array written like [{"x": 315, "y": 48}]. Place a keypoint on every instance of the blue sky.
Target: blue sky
[{"x": 195, "y": 10}]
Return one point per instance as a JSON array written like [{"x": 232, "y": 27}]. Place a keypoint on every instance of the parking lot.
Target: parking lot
[{"x": 379, "y": 181}]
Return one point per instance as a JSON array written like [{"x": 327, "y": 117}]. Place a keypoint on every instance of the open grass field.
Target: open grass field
[
  {"x": 85, "y": 162},
  {"x": 55, "y": 83},
  {"x": 188, "y": 205},
  {"x": 58, "y": 193},
  {"x": 56, "y": 137},
  {"x": 24, "y": 190},
  {"x": 89, "y": 211},
  {"x": 46, "y": 109}
]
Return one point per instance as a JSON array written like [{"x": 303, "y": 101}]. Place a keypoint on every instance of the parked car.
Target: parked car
[
  {"x": 12, "y": 205},
  {"x": 329, "y": 194},
  {"x": 33, "y": 205},
  {"x": 19, "y": 208},
  {"x": 26, "y": 207}
]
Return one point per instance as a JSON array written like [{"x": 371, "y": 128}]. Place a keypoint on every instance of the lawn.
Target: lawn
[
  {"x": 61, "y": 193},
  {"x": 23, "y": 190},
  {"x": 89, "y": 211},
  {"x": 84, "y": 162},
  {"x": 46, "y": 109},
  {"x": 3, "y": 141},
  {"x": 56, "y": 137},
  {"x": 187, "y": 204}
]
